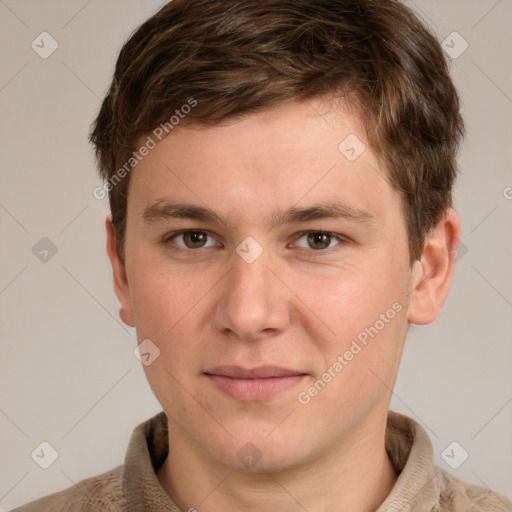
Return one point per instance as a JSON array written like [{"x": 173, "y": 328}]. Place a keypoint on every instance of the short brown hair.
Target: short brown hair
[{"x": 238, "y": 57}]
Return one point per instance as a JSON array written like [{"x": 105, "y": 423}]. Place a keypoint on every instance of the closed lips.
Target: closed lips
[
  {"x": 263, "y": 372},
  {"x": 253, "y": 385}
]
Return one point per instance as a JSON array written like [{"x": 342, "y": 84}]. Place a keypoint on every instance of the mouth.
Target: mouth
[{"x": 253, "y": 384}]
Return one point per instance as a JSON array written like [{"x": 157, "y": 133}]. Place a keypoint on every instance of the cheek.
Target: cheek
[
  {"x": 170, "y": 309},
  {"x": 361, "y": 360},
  {"x": 365, "y": 308},
  {"x": 166, "y": 312},
  {"x": 155, "y": 305},
  {"x": 161, "y": 299},
  {"x": 347, "y": 300}
]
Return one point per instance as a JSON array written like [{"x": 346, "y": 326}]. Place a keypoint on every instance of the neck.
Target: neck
[{"x": 357, "y": 475}]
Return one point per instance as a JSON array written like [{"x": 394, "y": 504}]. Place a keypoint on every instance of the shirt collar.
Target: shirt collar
[
  {"x": 147, "y": 450},
  {"x": 409, "y": 448},
  {"x": 410, "y": 451}
]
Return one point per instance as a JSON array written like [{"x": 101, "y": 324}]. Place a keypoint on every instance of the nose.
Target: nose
[{"x": 253, "y": 301}]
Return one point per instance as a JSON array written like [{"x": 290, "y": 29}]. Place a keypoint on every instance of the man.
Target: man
[{"x": 280, "y": 180}]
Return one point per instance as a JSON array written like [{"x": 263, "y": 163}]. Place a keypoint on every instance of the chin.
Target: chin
[{"x": 260, "y": 453}]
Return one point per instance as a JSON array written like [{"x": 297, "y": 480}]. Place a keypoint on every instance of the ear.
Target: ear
[
  {"x": 119, "y": 273},
  {"x": 432, "y": 273}
]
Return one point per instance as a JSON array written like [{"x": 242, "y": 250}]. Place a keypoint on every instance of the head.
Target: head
[{"x": 230, "y": 136}]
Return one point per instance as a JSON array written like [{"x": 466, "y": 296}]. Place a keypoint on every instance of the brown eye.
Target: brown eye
[
  {"x": 194, "y": 239},
  {"x": 318, "y": 240}
]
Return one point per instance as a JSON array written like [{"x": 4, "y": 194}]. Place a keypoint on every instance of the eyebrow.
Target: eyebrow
[{"x": 163, "y": 210}]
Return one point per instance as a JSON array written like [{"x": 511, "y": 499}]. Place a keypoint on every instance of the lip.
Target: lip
[{"x": 253, "y": 384}]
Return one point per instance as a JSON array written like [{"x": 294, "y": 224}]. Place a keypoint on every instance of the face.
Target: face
[{"x": 269, "y": 265}]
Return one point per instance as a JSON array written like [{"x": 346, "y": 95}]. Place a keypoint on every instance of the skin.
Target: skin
[{"x": 296, "y": 306}]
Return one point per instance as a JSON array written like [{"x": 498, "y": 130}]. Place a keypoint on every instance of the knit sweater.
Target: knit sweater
[{"x": 134, "y": 486}]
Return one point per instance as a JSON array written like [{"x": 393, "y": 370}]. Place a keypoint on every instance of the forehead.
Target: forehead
[
  {"x": 290, "y": 155},
  {"x": 291, "y": 131}
]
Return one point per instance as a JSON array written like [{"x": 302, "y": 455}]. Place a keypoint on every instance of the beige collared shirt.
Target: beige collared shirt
[{"x": 134, "y": 486}]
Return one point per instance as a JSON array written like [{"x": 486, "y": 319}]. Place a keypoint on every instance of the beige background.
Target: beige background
[{"x": 67, "y": 372}]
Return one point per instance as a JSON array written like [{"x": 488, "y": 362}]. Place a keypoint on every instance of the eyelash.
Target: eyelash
[{"x": 339, "y": 238}]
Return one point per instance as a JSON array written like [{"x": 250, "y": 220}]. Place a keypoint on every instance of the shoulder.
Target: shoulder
[
  {"x": 458, "y": 495},
  {"x": 102, "y": 492}
]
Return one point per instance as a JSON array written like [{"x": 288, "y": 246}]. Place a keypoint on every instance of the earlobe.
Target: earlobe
[
  {"x": 432, "y": 274},
  {"x": 121, "y": 287}
]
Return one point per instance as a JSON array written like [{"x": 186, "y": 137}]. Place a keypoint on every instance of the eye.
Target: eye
[
  {"x": 192, "y": 239},
  {"x": 318, "y": 240}
]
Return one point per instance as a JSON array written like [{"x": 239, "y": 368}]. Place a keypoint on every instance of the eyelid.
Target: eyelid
[
  {"x": 170, "y": 236},
  {"x": 340, "y": 238}
]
